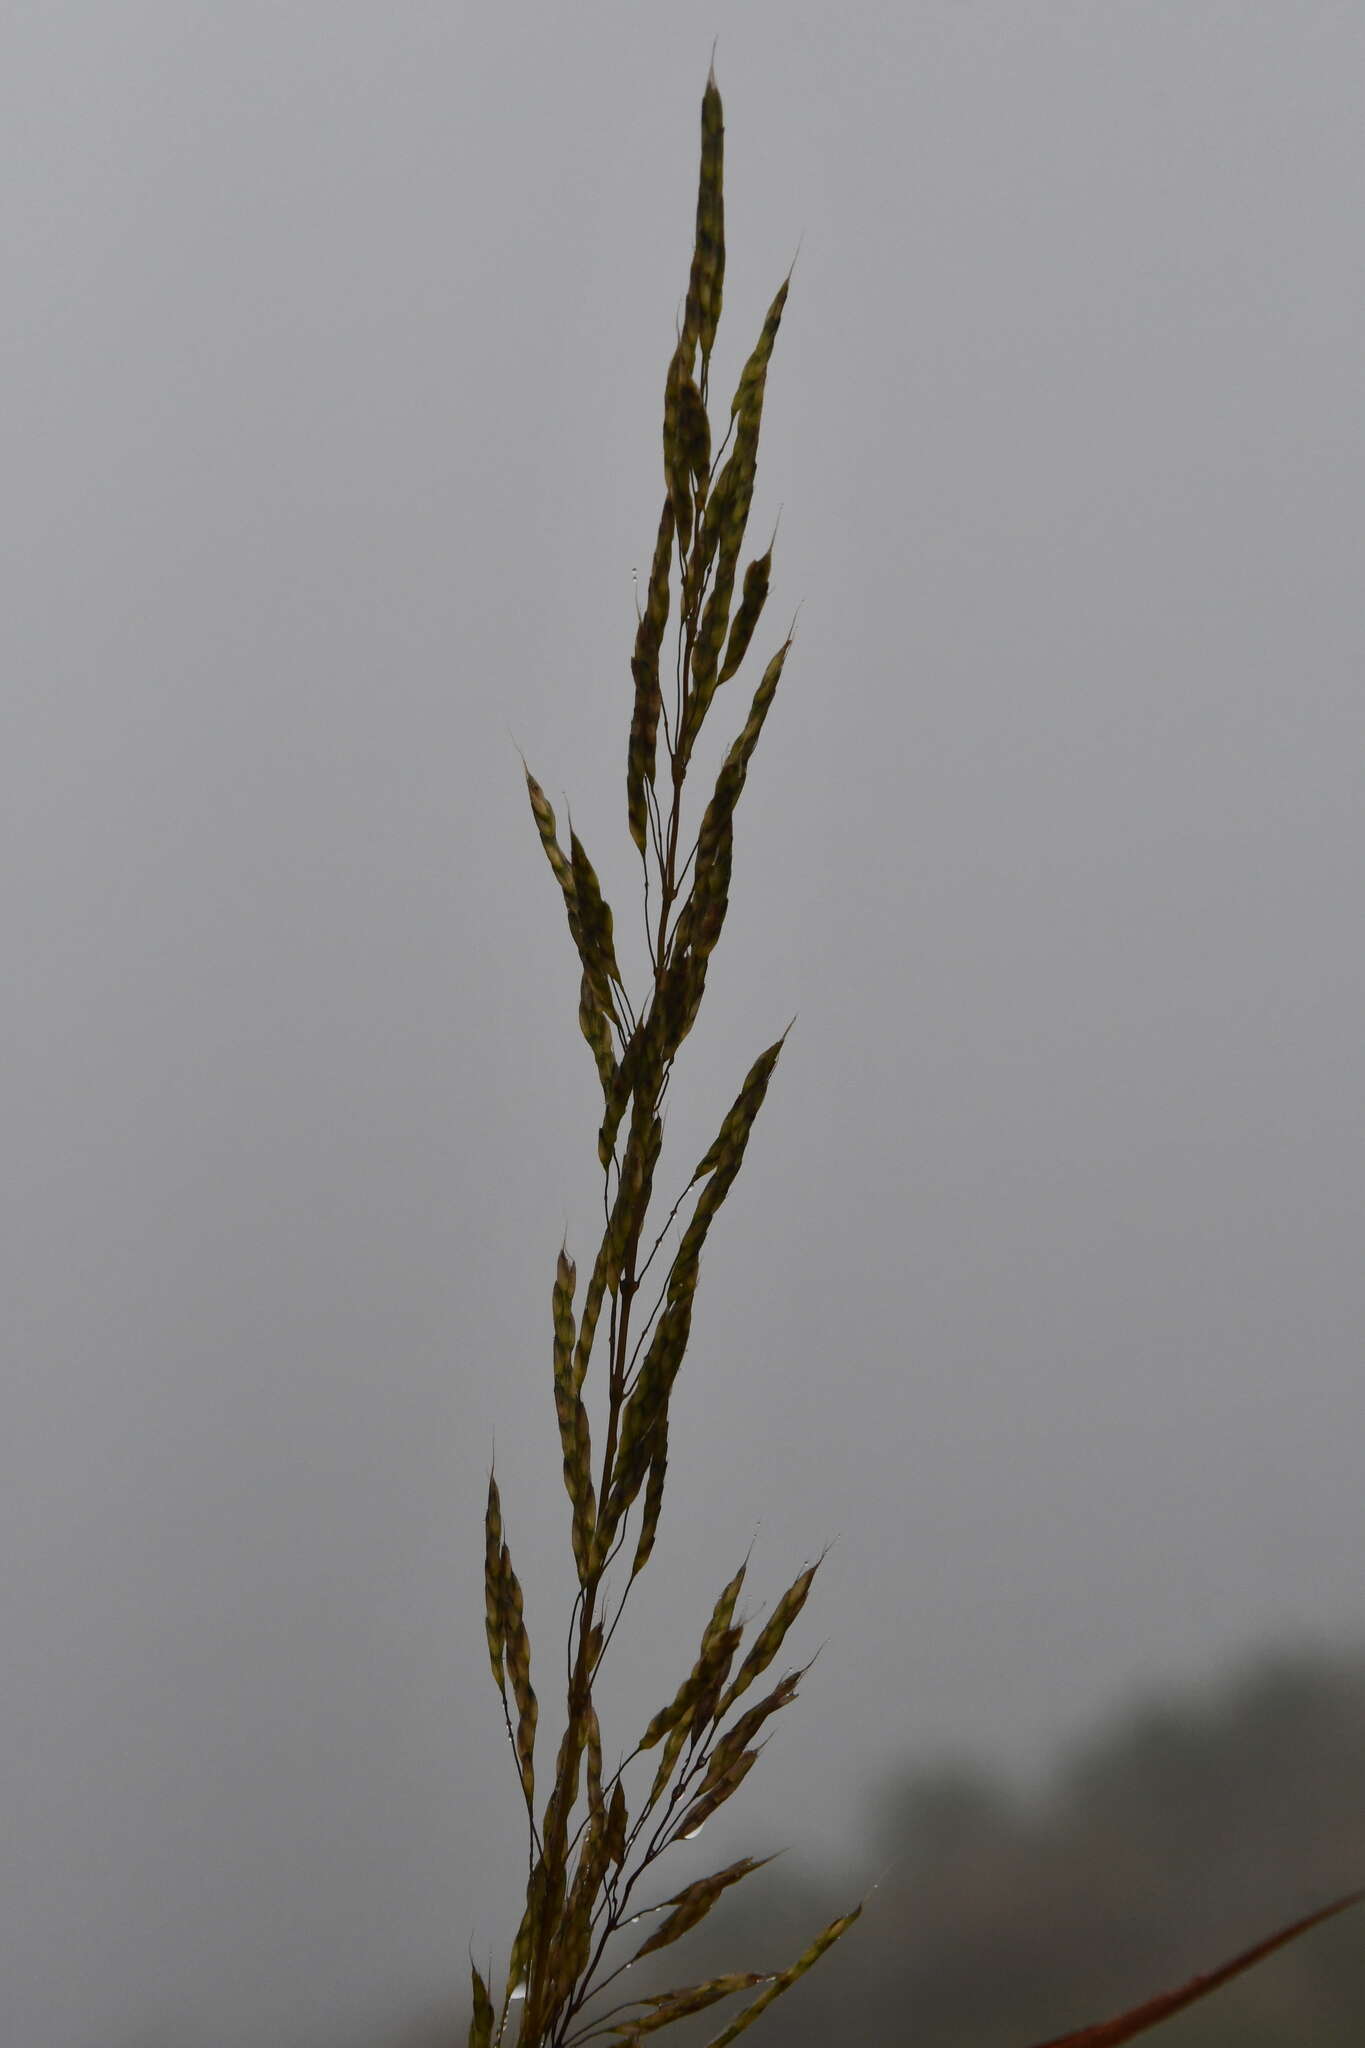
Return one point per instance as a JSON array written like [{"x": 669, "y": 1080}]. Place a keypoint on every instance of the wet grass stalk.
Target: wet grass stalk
[{"x": 588, "y": 1849}]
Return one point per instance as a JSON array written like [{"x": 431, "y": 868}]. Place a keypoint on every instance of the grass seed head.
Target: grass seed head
[{"x": 574, "y": 1877}]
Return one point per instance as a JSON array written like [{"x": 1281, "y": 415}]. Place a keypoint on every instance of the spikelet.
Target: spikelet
[
  {"x": 481, "y": 2025},
  {"x": 711, "y": 883},
  {"x": 518, "y": 1642},
  {"x": 694, "y": 1902},
  {"x": 594, "y": 931},
  {"x": 543, "y": 813},
  {"x": 727, "y": 517},
  {"x": 519, "y": 1961},
  {"x": 785, "y": 1980},
  {"x": 590, "y": 927},
  {"x": 492, "y": 1585},
  {"x": 704, "y": 1805},
  {"x": 654, "y": 1495},
  {"x": 644, "y": 724},
  {"x": 738, "y": 1738},
  {"x": 771, "y": 1637},
  {"x": 753, "y": 597},
  {"x": 648, "y": 1403},
  {"x": 596, "y": 1805},
  {"x": 679, "y": 393},
  {"x": 574, "y": 1436},
  {"x": 679, "y": 2005},
  {"x": 705, "y": 284},
  {"x": 617, "y": 1817},
  {"x": 717, "y": 1650},
  {"x": 592, "y": 1023}
]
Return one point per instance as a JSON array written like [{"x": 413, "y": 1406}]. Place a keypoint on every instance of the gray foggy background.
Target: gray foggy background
[{"x": 334, "y": 355}]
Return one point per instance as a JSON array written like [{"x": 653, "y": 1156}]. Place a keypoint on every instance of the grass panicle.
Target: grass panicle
[
  {"x": 601, "y": 1832},
  {"x": 588, "y": 1853}
]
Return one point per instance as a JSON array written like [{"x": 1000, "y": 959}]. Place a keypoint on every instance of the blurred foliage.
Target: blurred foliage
[{"x": 1182, "y": 1832}]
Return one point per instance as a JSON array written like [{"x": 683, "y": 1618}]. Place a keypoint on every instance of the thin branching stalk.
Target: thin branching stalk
[{"x": 591, "y": 1843}]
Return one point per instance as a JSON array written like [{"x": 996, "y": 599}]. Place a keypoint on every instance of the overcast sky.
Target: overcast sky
[{"x": 333, "y": 367}]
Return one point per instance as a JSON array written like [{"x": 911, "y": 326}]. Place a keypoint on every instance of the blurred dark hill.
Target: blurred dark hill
[{"x": 1181, "y": 1833}]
